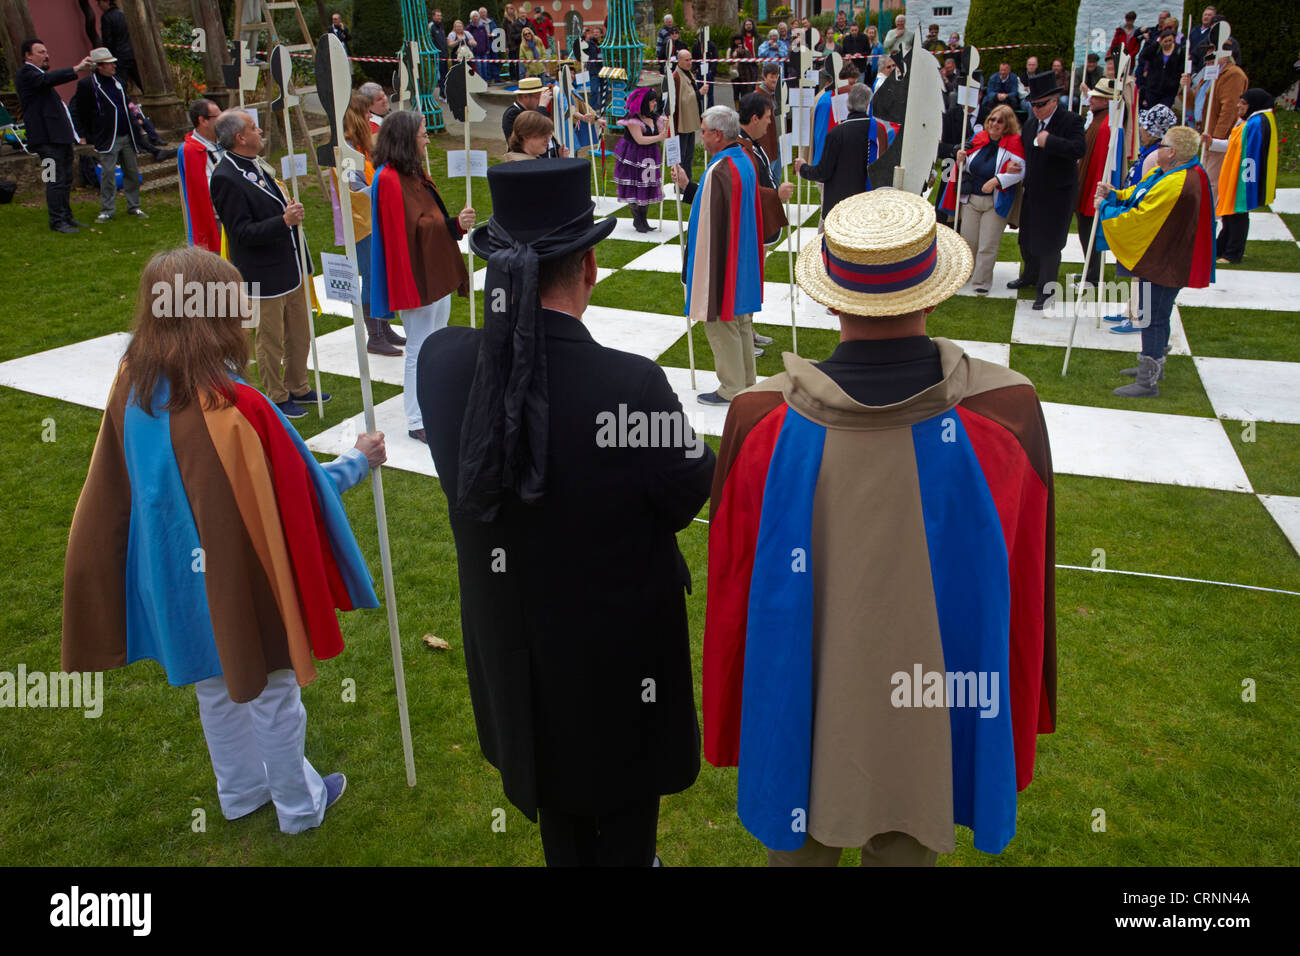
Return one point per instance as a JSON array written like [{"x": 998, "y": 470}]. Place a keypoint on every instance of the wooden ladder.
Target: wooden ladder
[{"x": 249, "y": 32}]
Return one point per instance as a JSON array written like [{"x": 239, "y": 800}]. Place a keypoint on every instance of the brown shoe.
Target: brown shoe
[
  {"x": 418, "y": 435},
  {"x": 376, "y": 343},
  {"x": 388, "y": 333}
]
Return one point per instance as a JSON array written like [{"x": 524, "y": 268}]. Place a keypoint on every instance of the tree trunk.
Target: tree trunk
[
  {"x": 326, "y": 18},
  {"x": 207, "y": 16},
  {"x": 158, "y": 98},
  {"x": 717, "y": 13},
  {"x": 17, "y": 19}
]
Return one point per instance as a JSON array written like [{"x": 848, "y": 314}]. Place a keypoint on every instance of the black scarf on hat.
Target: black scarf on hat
[{"x": 503, "y": 439}]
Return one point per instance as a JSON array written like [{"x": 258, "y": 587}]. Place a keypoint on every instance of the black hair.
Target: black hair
[
  {"x": 752, "y": 106},
  {"x": 651, "y": 97},
  {"x": 769, "y": 68},
  {"x": 28, "y": 44},
  {"x": 199, "y": 110},
  {"x": 562, "y": 272}
]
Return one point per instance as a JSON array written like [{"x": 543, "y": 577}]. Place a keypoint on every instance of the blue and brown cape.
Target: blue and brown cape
[{"x": 209, "y": 540}]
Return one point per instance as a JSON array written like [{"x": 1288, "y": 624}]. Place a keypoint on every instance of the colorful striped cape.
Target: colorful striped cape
[
  {"x": 849, "y": 546},
  {"x": 210, "y": 541},
  {"x": 726, "y": 278},
  {"x": 823, "y": 121},
  {"x": 1248, "y": 177},
  {"x": 1010, "y": 150},
  {"x": 1148, "y": 227},
  {"x": 392, "y": 275},
  {"x": 199, "y": 217}
]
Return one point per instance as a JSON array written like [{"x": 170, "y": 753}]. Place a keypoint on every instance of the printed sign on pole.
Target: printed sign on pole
[
  {"x": 672, "y": 151},
  {"x": 340, "y": 278},
  {"x": 478, "y": 162},
  {"x": 299, "y": 166}
]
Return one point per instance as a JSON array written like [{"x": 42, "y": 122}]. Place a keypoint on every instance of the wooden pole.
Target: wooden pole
[
  {"x": 282, "y": 74},
  {"x": 346, "y": 158}
]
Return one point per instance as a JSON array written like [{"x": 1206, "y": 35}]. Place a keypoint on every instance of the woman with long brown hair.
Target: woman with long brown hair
[
  {"x": 530, "y": 138},
  {"x": 207, "y": 538},
  {"x": 415, "y": 262}
]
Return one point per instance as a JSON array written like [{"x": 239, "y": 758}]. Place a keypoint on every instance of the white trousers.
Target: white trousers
[
  {"x": 257, "y": 752},
  {"x": 418, "y": 325}
]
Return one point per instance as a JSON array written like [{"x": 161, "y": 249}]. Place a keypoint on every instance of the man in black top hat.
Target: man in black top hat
[
  {"x": 1054, "y": 142},
  {"x": 568, "y": 469}
]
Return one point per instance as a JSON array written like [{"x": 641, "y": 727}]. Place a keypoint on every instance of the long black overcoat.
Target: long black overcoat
[{"x": 1051, "y": 181}]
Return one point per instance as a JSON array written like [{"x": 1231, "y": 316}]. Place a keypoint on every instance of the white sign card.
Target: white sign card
[
  {"x": 252, "y": 111},
  {"x": 299, "y": 166},
  {"x": 786, "y": 148},
  {"x": 968, "y": 96},
  {"x": 801, "y": 126},
  {"x": 672, "y": 151},
  {"x": 808, "y": 97},
  {"x": 1211, "y": 71},
  {"x": 840, "y": 107},
  {"x": 478, "y": 162},
  {"x": 583, "y": 78},
  {"x": 340, "y": 278},
  {"x": 813, "y": 76}
]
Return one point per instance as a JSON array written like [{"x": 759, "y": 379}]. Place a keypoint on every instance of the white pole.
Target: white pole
[
  {"x": 348, "y": 158},
  {"x": 281, "y": 56}
]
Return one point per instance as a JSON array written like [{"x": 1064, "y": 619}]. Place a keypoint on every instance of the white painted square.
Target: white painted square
[
  {"x": 1003, "y": 272},
  {"x": 1052, "y": 327},
  {"x": 1143, "y": 446},
  {"x": 337, "y": 352},
  {"x": 662, "y": 258},
  {"x": 404, "y": 452},
  {"x": 999, "y": 353},
  {"x": 645, "y": 333},
  {"x": 1286, "y": 512},
  {"x": 1268, "y": 227},
  {"x": 626, "y": 231},
  {"x": 1238, "y": 289},
  {"x": 1252, "y": 390},
  {"x": 1286, "y": 200},
  {"x": 82, "y": 373},
  {"x": 809, "y": 314}
]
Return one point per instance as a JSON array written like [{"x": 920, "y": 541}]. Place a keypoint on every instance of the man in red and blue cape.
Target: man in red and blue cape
[
  {"x": 723, "y": 268},
  {"x": 195, "y": 162},
  {"x": 1162, "y": 231},
  {"x": 879, "y": 645}
]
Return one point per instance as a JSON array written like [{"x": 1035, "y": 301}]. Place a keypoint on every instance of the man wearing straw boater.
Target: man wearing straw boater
[
  {"x": 879, "y": 647},
  {"x": 568, "y": 469}
]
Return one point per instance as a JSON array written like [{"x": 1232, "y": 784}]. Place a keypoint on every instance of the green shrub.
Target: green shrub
[
  {"x": 1269, "y": 35},
  {"x": 1000, "y": 22}
]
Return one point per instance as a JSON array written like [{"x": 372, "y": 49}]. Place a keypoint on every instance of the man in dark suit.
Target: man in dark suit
[
  {"x": 50, "y": 132},
  {"x": 262, "y": 229},
  {"x": 1054, "y": 143},
  {"x": 568, "y": 469},
  {"x": 842, "y": 166}
]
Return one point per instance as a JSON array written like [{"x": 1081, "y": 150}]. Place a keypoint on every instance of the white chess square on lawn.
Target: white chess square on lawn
[
  {"x": 1286, "y": 512},
  {"x": 404, "y": 452},
  {"x": 625, "y": 230},
  {"x": 82, "y": 373},
  {"x": 1250, "y": 390},
  {"x": 644, "y": 333},
  {"x": 1268, "y": 227},
  {"x": 1143, "y": 446},
  {"x": 1052, "y": 327},
  {"x": 1239, "y": 289},
  {"x": 662, "y": 258},
  {"x": 705, "y": 419},
  {"x": 1003, "y": 272},
  {"x": 1286, "y": 200}
]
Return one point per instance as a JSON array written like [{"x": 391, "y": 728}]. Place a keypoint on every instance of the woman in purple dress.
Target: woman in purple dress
[{"x": 636, "y": 167}]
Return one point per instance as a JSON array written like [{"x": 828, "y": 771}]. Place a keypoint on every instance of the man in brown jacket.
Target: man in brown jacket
[
  {"x": 686, "y": 121},
  {"x": 1221, "y": 108}
]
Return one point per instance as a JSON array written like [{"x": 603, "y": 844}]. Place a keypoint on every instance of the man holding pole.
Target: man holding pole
[
  {"x": 572, "y": 610},
  {"x": 723, "y": 271},
  {"x": 1097, "y": 143},
  {"x": 261, "y": 226}
]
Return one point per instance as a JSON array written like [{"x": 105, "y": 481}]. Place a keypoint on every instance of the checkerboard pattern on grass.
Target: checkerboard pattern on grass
[{"x": 1228, "y": 378}]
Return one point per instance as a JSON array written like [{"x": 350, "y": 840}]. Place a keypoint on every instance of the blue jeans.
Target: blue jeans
[{"x": 1155, "y": 304}]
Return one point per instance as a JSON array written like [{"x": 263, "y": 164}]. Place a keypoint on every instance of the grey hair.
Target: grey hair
[
  {"x": 371, "y": 91},
  {"x": 229, "y": 125},
  {"x": 859, "y": 97},
  {"x": 722, "y": 119}
]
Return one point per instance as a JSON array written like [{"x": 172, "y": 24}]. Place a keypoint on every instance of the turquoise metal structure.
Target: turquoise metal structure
[
  {"x": 415, "y": 29},
  {"x": 622, "y": 48}
]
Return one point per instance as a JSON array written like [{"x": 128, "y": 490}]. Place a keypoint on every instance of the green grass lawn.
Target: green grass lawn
[{"x": 1152, "y": 727}]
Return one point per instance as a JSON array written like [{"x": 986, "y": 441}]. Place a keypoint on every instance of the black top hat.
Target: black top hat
[
  {"x": 1043, "y": 84},
  {"x": 542, "y": 199}
]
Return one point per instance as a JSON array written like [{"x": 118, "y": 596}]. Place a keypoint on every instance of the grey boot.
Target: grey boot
[
  {"x": 1145, "y": 386},
  {"x": 376, "y": 343},
  {"x": 1133, "y": 372}
]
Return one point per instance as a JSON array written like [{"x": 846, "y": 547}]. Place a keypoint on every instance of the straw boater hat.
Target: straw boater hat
[
  {"x": 530, "y": 84},
  {"x": 1106, "y": 88},
  {"x": 883, "y": 254}
]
